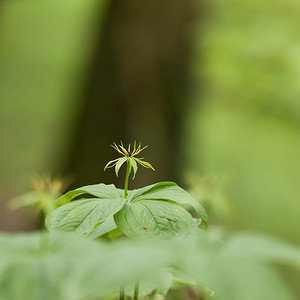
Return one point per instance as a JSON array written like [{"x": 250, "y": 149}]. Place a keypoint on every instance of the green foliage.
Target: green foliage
[
  {"x": 171, "y": 192},
  {"x": 102, "y": 191},
  {"x": 65, "y": 267},
  {"x": 152, "y": 211},
  {"x": 165, "y": 250},
  {"x": 57, "y": 266},
  {"x": 153, "y": 219},
  {"x": 158, "y": 285},
  {"x": 239, "y": 267},
  {"x": 83, "y": 216}
]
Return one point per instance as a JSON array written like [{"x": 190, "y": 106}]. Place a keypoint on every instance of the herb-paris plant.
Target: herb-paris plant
[{"x": 154, "y": 211}]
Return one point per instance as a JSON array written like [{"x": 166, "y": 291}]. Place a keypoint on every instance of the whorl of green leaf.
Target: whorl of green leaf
[{"x": 151, "y": 212}]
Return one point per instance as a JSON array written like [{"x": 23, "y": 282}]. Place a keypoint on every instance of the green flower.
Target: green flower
[{"x": 129, "y": 156}]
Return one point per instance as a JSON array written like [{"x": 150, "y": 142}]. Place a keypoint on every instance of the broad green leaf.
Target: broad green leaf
[
  {"x": 83, "y": 216},
  {"x": 169, "y": 191},
  {"x": 114, "y": 233},
  {"x": 101, "y": 190},
  {"x": 153, "y": 219},
  {"x": 104, "y": 227}
]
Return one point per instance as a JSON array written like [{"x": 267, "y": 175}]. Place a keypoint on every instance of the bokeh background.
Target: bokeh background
[{"x": 211, "y": 86}]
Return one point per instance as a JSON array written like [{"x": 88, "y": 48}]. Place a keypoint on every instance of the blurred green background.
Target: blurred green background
[
  {"x": 211, "y": 86},
  {"x": 247, "y": 124}
]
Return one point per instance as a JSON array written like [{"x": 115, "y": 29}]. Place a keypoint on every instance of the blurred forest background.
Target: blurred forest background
[{"x": 211, "y": 86}]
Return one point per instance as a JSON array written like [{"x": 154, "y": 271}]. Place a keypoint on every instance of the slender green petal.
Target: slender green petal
[
  {"x": 125, "y": 152},
  {"x": 129, "y": 155},
  {"x": 111, "y": 163},
  {"x": 119, "y": 165},
  {"x": 145, "y": 164},
  {"x": 117, "y": 148},
  {"x": 141, "y": 150},
  {"x": 134, "y": 166}
]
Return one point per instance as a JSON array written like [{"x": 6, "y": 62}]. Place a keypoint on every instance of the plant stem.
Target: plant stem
[
  {"x": 136, "y": 291},
  {"x": 122, "y": 293},
  {"x": 128, "y": 170},
  {"x": 127, "y": 178}
]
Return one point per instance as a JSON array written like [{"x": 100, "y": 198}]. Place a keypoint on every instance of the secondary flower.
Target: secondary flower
[{"x": 129, "y": 156}]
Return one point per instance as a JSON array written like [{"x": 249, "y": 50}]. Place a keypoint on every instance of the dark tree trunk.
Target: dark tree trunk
[{"x": 137, "y": 90}]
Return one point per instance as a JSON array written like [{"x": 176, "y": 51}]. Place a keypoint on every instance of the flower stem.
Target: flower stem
[
  {"x": 127, "y": 178},
  {"x": 136, "y": 291},
  {"x": 122, "y": 293},
  {"x": 128, "y": 170}
]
